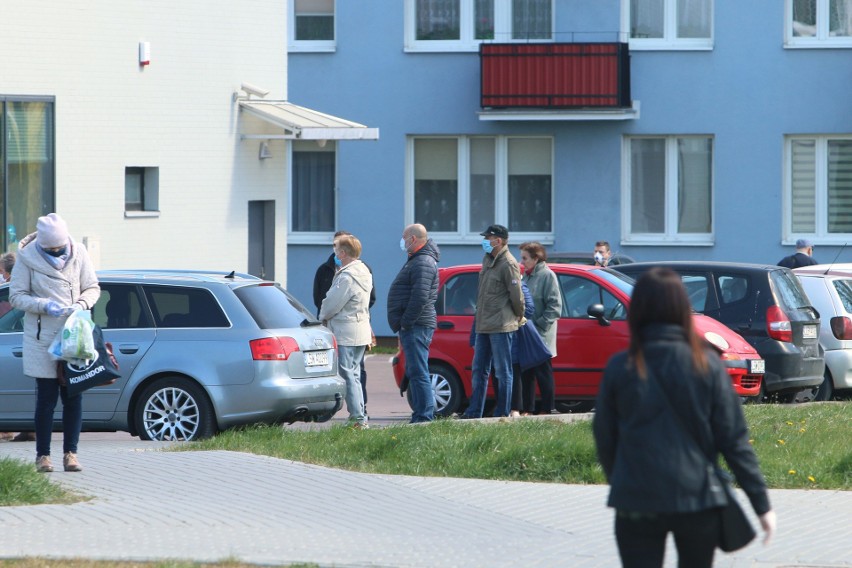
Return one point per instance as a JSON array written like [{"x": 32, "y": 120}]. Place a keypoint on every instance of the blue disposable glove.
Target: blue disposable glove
[{"x": 55, "y": 310}]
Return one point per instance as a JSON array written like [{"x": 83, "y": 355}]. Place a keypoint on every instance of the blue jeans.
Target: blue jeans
[
  {"x": 415, "y": 343},
  {"x": 349, "y": 361},
  {"x": 48, "y": 392},
  {"x": 491, "y": 349}
]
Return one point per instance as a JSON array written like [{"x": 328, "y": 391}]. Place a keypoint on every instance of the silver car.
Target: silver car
[{"x": 199, "y": 352}]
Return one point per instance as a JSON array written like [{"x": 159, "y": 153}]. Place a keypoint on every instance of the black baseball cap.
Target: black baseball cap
[{"x": 496, "y": 231}]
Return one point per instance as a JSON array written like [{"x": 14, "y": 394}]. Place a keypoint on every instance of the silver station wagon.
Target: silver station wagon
[{"x": 199, "y": 352}]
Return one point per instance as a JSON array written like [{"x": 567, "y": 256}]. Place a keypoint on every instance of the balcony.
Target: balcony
[{"x": 555, "y": 81}]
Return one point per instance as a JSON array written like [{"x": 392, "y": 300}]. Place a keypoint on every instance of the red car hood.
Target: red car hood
[{"x": 712, "y": 330}]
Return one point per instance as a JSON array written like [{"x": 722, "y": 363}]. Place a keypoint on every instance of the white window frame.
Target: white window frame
[
  {"x": 670, "y": 236},
  {"x": 822, "y": 40},
  {"x": 465, "y": 233},
  {"x": 305, "y": 46},
  {"x": 467, "y": 42},
  {"x": 669, "y": 41},
  {"x": 312, "y": 237},
  {"x": 821, "y": 235}
]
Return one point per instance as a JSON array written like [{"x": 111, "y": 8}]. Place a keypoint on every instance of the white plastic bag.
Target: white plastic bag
[{"x": 77, "y": 340}]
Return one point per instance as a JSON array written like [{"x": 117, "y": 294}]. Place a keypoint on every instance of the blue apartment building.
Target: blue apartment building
[{"x": 674, "y": 129}]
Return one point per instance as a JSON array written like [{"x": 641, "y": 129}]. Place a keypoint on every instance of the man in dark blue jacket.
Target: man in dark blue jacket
[{"x": 411, "y": 313}]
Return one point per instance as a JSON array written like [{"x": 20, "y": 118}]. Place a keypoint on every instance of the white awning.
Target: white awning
[{"x": 300, "y": 123}]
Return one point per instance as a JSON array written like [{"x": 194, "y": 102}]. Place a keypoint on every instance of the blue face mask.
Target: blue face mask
[
  {"x": 336, "y": 261},
  {"x": 402, "y": 245},
  {"x": 56, "y": 253},
  {"x": 486, "y": 246}
]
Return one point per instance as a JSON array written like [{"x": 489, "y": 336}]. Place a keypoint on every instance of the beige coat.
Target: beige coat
[
  {"x": 34, "y": 284},
  {"x": 499, "y": 300},
  {"x": 346, "y": 307}
]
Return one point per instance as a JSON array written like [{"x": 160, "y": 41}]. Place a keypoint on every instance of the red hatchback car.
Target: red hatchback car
[{"x": 592, "y": 328}]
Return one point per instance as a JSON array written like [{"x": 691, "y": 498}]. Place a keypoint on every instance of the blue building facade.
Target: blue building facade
[{"x": 735, "y": 141}]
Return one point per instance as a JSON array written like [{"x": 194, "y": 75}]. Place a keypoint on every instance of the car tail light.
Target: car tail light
[
  {"x": 841, "y": 327},
  {"x": 273, "y": 348},
  {"x": 778, "y": 324}
]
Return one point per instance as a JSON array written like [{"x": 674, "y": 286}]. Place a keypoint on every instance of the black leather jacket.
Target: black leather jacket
[{"x": 652, "y": 464}]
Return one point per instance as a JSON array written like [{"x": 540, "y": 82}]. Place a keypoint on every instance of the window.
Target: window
[
  {"x": 120, "y": 307},
  {"x": 818, "y": 23},
  {"x": 669, "y": 24},
  {"x": 27, "y": 167},
  {"x": 311, "y": 24},
  {"x": 579, "y": 293},
  {"x": 141, "y": 192},
  {"x": 733, "y": 288},
  {"x": 460, "y": 185},
  {"x": 818, "y": 195},
  {"x": 460, "y": 25},
  {"x": 668, "y": 197},
  {"x": 458, "y": 296},
  {"x": 175, "y": 306},
  {"x": 313, "y": 188}
]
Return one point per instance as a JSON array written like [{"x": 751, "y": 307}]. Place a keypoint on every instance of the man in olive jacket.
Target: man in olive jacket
[{"x": 499, "y": 311}]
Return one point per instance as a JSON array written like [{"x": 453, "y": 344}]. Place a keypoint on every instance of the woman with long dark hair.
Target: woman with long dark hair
[{"x": 665, "y": 411}]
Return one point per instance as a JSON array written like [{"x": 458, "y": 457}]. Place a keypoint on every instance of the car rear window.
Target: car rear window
[
  {"x": 790, "y": 296},
  {"x": 844, "y": 291},
  {"x": 272, "y": 307},
  {"x": 179, "y": 306}
]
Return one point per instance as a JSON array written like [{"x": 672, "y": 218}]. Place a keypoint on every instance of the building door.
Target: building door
[{"x": 261, "y": 241}]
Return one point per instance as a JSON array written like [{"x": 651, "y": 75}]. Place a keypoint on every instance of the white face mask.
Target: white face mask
[
  {"x": 599, "y": 258},
  {"x": 2, "y": 279}
]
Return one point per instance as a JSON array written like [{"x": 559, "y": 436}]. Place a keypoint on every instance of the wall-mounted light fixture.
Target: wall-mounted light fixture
[
  {"x": 144, "y": 53},
  {"x": 264, "y": 152}
]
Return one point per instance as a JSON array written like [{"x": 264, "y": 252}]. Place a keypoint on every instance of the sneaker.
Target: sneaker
[
  {"x": 24, "y": 437},
  {"x": 69, "y": 461},
  {"x": 43, "y": 464},
  {"x": 360, "y": 426}
]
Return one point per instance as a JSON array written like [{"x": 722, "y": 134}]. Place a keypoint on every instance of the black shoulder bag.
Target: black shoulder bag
[{"x": 737, "y": 531}]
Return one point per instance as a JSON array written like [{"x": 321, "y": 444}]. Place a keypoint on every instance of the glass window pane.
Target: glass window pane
[
  {"x": 313, "y": 183},
  {"x": 648, "y": 185},
  {"x": 647, "y": 18},
  {"x": 484, "y": 19},
  {"x": 482, "y": 177},
  {"x": 133, "y": 187},
  {"x": 30, "y": 166},
  {"x": 694, "y": 18},
  {"x": 844, "y": 291},
  {"x": 436, "y": 183},
  {"x": 314, "y": 20},
  {"x": 695, "y": 185},
  {"x": 438, "y": 19},
  {"x": 804, "y": 18},
  {"x": 532, "y": 19},
  {"x": 530, "y": 182},
  {"x": 803, "y": 186},
  {"x": 840, "y": 186},
  {"x": 840, "y": 18}
]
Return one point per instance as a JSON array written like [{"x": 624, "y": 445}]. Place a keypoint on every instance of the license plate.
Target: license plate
[
  {"x": 756, "y": 366},
  {"x": 316, "y": 358},
  {"x": 809, "y": 332}
]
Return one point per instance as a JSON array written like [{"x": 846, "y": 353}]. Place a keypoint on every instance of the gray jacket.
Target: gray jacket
[
  {"x": 547, "y": 298},
  {"x": 346, "y": 307},
  {"x": 34, "y": 284}
]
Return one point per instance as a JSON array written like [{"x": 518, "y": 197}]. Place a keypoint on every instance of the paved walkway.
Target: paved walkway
[{"x": 147, "y": 504}]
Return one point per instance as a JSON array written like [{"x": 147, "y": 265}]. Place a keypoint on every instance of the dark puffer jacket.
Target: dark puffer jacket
[
  {"x": 652, "y": 464},
  {"x": 412, "y": 295}
]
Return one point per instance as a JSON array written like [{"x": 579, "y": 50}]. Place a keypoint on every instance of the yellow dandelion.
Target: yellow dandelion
[
  {"x": 802, "y": 430},
  {"x": 781, "y": 442},
  {"x": 789, "y": 423},
  {"x": 811, "y": 479},
  {"x": 792, "y": 472},
  {"x": 751, "y": 441},
  {"x": 802, "y": 421},
  {"x": 393, "y": 437}
]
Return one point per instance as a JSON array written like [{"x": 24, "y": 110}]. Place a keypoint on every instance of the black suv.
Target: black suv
[{"x": 768, "y": 307}]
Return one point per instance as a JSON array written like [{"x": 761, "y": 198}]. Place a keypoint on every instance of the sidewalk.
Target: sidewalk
[{"x": 208, "y": 506}]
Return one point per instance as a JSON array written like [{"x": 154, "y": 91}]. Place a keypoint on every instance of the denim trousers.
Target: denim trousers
[
  {"x": 491, "y": 349},
  {"x": 349, "y": 361},
  {"x": 642, "y": 541},
  {"x": 415, "y": 343},
  {"x": 48, "y": 392}
]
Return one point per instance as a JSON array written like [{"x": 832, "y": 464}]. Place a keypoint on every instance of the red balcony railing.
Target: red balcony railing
[{"x": 555, "y": 75}]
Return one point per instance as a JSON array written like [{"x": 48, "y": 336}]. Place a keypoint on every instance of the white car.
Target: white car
[{"x": 829, "y": 288}]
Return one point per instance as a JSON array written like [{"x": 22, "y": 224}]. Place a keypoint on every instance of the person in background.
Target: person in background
[
  {"x": 345, "y": 310},
  {"x": 602, "y": 253},
  {"x": 664, "y": 412},
  {"x": 547, "y": 301},
  {"x": 804, "y": 255},
  {"x": 322, "y": 282},
  {"x": 499, "y": 312},
  {"x": 7, "y": 263},
  {"x": 53, "y": 278},
  {"x": 411, "y": 313}
]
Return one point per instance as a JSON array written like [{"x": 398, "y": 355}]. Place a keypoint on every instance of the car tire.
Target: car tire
[
  {"x": 446, "y": 388},
  {"x": 174, "y": 409},
  {"x": 826, "y": 389},
  {"x": 574, "y": 406}
]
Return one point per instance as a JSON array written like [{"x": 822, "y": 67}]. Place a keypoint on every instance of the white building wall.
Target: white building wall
[{"x": 176, "y": 114}]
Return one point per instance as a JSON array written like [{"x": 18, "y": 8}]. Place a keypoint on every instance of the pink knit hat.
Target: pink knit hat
[{"x": 52, "y": 231}]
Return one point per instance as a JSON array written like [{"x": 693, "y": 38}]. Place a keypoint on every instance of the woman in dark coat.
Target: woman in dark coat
[{"x": 657, "y": 462}]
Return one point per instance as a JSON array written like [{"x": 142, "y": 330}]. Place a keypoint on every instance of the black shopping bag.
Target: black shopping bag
[{"x": 103, "y": 369}]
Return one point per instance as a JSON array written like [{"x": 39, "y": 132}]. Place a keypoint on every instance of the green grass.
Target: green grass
[
  {"x": 21, "y": 484},
  {"x": 799, "y": 446}
]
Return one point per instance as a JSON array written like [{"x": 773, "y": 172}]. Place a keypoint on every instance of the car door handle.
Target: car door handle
[
  {"x": 128, "y": 349},
  {"x": 446, "y": 325},
  {"x": 18, "y": 351}
]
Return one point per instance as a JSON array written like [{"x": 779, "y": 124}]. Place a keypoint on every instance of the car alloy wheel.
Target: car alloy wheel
[{"x": 174, "y": 409}]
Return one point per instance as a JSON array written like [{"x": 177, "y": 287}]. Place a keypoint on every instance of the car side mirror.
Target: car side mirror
[{"x": 597, "y": 311}]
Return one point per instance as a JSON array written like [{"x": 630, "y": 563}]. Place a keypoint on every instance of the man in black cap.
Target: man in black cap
[
  {"x": 802, "y": 257},
  {"x": 499, "y": 311}
]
